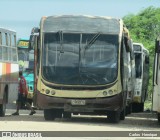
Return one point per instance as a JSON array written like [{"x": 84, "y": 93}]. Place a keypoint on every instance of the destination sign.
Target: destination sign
[{"x": 23, "y": 43}]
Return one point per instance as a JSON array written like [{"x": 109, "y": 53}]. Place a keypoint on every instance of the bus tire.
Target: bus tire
[
  {"x": 129, "y": 109},
  {"x": 123, "y": 114},
  {"x": 113, "y": 116},
  {"x": 141, "y": 107},
  {"x": 3, "y": 107},
  {"x": 49, "y": 114},
  {"x": 158, "y": 116},
  {"x": 66, "y": 115},
  {"x": 2, "y": 110}
]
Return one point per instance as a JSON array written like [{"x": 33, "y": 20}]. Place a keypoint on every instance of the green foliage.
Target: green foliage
[{"x": 145, "y": 28}]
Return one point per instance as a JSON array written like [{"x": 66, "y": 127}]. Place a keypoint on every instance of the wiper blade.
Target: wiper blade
[
  {"x": 92, "y": 41},
  {"x": 61, "y": 41}
]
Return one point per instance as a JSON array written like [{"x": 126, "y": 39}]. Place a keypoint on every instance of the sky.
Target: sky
[{"x": 23, "y": 15}]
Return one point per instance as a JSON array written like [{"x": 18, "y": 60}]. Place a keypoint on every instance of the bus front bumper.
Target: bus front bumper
[{"x": 114, "y": 103}]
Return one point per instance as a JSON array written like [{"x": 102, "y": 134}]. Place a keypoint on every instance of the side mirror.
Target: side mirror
[
  {"x": 31, "y": 42},
  {"x": 128, "y": 44},
  {"x": 33, "y": 36},
  {"x": 157, "y": 49},
  {"x": 35, "y": 30}
]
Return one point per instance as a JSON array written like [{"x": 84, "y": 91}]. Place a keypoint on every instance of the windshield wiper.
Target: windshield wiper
[
  {"x": 89, "y": 44},
  {"x": 61, "y": 41}
]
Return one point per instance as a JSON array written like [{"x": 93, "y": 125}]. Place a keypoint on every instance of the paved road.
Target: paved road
[{"x": 25, "y": 122}]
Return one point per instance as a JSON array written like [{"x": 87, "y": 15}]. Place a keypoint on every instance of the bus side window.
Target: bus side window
[
  {"x": 5, "y": 48},
  {"x": 14, "y": 56},
  {"x": 3, "y": 39},
  {"x": 13, "y": 40},
  {"x": 9, "y": 47},
  {"x": 13, "y": 46}
]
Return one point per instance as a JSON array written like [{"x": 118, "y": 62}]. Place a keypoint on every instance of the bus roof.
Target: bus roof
[
  {"x": 142, "y": 46},
  {"x": 7, "y": 30},
  {"x": 81, "y": 23}
]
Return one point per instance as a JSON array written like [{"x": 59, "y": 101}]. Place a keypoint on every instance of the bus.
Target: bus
[
  {"x": 8, "y": 70},
  {"x": 156, "y": 80},
  {"x": 23, "y": 50},
  {"x": 131, "y": 80},
  {"x": 130, "y": 75},
  {"x": 26, "y": 64},
  {"x": 80, "y": 66},
  {"x": 142, "y": 77}
]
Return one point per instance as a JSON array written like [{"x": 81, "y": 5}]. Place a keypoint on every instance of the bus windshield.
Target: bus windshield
[
  {"x": 80, "y": 58},
  {"x": 138, "y": 64},
  {"x": 23, "y": 54},
  {"x": 23, "y": 49}
]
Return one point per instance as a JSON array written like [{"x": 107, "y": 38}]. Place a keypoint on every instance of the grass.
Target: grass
[{"x": 148, "y": 105}]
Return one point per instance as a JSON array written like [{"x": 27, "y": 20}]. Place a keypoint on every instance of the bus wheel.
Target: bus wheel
[
  {"x": 3, "y": 107},
  {"x": 49, "y": 114},
  {"x": 123, "y": 114},
  {"x": 113, "y": 116},
  {"x": 129, "y": 109},
  {"x": 66, "y": 115},
  {"x": 141, "y": 107},
  {"x": 158, "y": 115}
]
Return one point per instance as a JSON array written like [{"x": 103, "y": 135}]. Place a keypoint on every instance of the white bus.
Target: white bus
[
  {"x": 142, "y": 77},
  {"x": 8, "y": 69},
  {"x": 156, "y": 80}
]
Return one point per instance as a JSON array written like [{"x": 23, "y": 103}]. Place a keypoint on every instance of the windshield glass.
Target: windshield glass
[
  {"x": 23, "y": 54},
  {"x": 31, "y": 55},
  {"x": 138, "y": 64},
  {"x": 80, "y": 59}
]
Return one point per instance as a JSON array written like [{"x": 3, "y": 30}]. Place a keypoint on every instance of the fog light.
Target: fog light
[
  {"x": 47, "y": 91},
  {"x": 105, "y": 93}
]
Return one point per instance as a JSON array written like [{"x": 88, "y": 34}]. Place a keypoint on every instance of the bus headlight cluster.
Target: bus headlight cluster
[
  {"x": 47, "y": 91},
  {"x": 108, "y": 93}
]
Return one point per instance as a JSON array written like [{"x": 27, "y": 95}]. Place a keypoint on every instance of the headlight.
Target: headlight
[
  {"x": 110, "y": 92},
  {"x": 53, "y": 92},
  {"x": 105, "y": 93}
]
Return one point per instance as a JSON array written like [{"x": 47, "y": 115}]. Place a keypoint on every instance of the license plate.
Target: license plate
[{"x": 78, "y": 102}]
